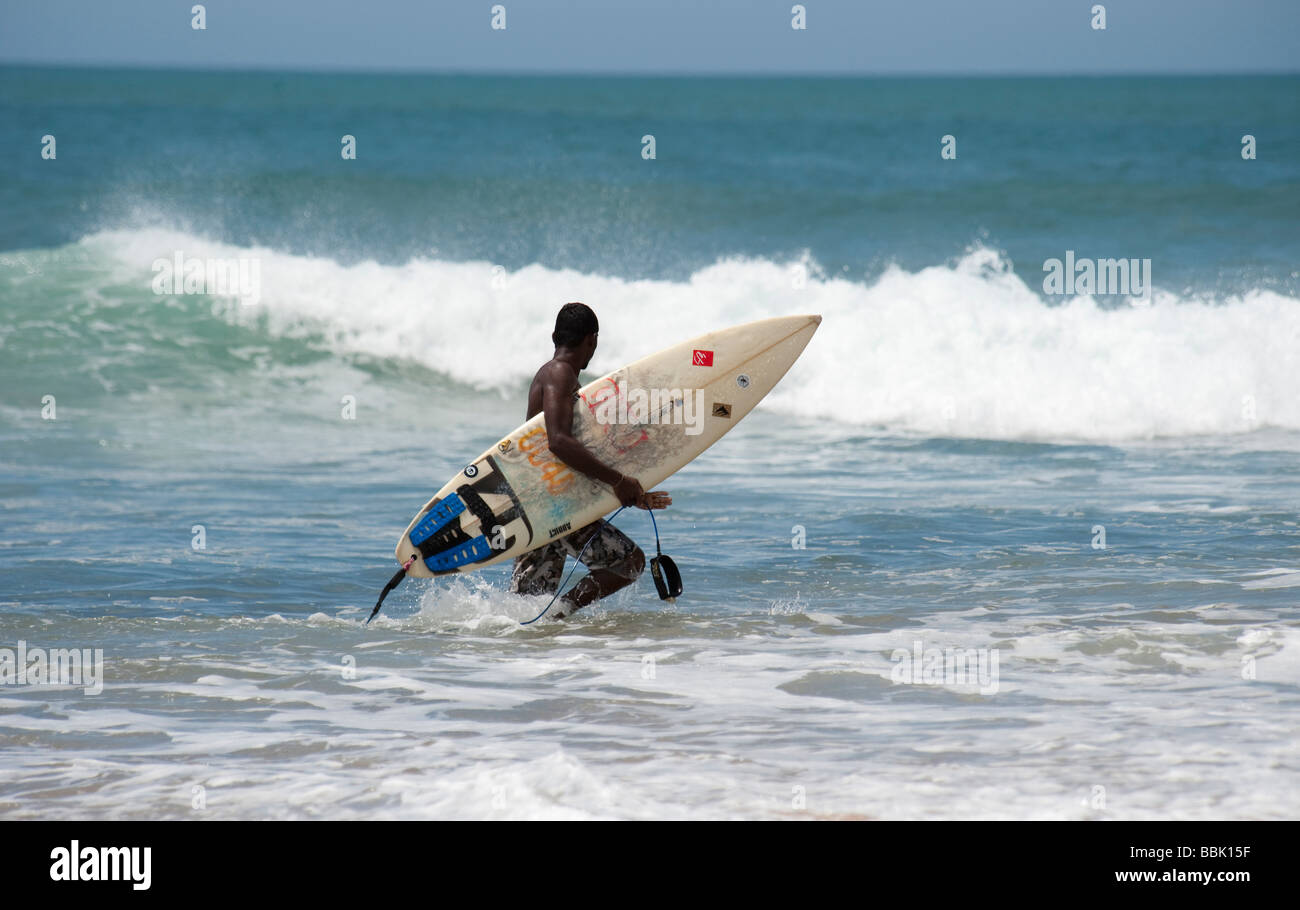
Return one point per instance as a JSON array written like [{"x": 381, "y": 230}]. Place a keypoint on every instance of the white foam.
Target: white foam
[
  {"x": 963, "y": 350},
  {"x": 1275, "y": 578}
]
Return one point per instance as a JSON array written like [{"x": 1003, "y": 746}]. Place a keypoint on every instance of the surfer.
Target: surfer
[{"x": 614, "y": 559}]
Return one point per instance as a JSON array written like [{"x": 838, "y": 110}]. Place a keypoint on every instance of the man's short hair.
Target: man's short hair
[{"x": 575, "y": 322}]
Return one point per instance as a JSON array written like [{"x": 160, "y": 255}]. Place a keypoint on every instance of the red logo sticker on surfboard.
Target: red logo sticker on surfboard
[{"x": 702, "y": 358}]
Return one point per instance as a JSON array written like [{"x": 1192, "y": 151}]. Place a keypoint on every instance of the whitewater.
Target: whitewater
[{"x": 966, "y": 349}]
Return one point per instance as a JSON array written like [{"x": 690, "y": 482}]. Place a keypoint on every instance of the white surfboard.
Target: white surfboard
[{"x": 647, "y": 420}]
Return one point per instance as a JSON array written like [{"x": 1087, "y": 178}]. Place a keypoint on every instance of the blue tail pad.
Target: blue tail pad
[
  {"x": 436, "y": 519},
  {"x": 455, "y": 557}
]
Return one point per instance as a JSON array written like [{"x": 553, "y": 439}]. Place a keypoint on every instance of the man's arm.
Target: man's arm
[{"x": 558, "y": 386}]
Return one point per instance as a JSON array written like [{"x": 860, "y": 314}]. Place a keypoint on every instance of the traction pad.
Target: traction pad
[
  {"x": 436, "y": 518},
  {"x": 439, "y": 537}
]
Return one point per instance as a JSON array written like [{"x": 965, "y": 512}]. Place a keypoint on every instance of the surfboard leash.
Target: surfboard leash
[
  {"x": 392, "y": 583},
  {"x": 578, "y": 562},
  {"x": 668, "y": 581}
]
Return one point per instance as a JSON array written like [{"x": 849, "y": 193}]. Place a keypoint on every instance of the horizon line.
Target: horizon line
[{"x": 644, "y": 74}]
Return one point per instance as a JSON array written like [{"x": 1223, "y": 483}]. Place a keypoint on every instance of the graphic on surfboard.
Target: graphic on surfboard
[{"x": 647, "y": 420}]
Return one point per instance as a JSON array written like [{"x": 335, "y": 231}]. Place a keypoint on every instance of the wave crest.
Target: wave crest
[{"x": 964, "y": 349}]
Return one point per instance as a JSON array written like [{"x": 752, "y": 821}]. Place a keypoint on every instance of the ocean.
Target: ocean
[{"x": 989, "y": 550}]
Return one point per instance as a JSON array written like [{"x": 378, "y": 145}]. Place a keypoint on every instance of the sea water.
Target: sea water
[{"x": 987, "y": 551}]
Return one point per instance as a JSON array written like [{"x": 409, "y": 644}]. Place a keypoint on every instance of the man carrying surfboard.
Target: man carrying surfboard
[
  {"x": 614, "y": 559},
  {"x": 486, "y": 507}
]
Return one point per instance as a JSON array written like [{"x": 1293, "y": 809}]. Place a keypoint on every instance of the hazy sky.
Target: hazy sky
[{"x": 664, "y": 36}]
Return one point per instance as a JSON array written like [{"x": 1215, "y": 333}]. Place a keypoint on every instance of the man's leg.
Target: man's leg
[
  {"x": 538, "y": 571},
  {"x": 614, "y": 559}
]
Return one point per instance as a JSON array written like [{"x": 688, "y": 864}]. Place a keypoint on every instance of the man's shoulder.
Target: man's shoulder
[{"x": 556, "y": 372}]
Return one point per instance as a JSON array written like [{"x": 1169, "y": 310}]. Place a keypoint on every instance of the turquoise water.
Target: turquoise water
[
  {"x": 521, "y": 171},
  {"x": 946, "y": 450}
]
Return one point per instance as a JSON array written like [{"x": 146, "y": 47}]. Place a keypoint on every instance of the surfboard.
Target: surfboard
[{"x": 647, "y": 419}]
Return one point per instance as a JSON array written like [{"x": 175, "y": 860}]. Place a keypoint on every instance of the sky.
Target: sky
[{"x": 870, "y": 37}]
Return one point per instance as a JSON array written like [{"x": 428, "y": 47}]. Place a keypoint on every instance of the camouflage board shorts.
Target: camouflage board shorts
[{"x": 539, "y": 571}]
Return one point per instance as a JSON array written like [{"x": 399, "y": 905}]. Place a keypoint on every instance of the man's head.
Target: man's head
[{"x": 575, "y": 329}]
